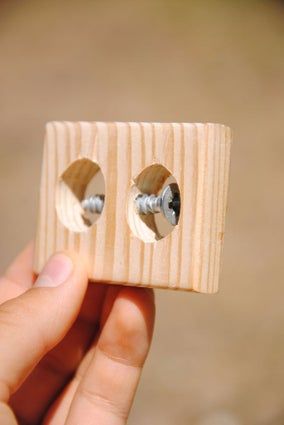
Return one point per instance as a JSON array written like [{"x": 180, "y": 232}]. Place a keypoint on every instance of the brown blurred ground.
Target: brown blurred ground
[{"x": 216, "y": 360}]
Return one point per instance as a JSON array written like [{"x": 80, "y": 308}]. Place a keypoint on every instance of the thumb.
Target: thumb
[{"x": 33, "y": 323}]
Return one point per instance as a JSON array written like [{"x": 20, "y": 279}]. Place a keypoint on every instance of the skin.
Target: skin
[{"x": 71, "y": 352}]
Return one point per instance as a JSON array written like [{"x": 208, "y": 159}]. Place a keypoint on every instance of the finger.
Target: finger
[
  {"x": 19, "y": 276},
  {"x": 106, "y": 391},
  {"x": 59, "y": 410},
  {"x": 33, "y": 323},
  {"x": 59, "y": 365}
]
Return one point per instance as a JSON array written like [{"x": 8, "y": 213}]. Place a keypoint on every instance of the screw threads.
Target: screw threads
[
  {"x": 168, "y": 203},
  {"x": 93, "y": 204},
  {"x": 148, "y": 204}
]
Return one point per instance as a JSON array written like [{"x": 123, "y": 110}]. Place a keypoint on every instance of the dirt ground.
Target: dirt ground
[{"x": 216, "y": 360}]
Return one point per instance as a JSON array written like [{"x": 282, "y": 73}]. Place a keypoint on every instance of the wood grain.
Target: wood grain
[{"x": 196, "y": 155}]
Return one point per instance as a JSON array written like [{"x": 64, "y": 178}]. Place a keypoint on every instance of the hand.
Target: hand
[{"x": 69, "y": 354}]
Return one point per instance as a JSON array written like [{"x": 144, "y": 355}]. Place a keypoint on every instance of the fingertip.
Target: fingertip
[
  {"x": 111, "y": 294},
  {"x": 79, "y": 263},
  {"x": 142, "y": 301},
  {"x": 128, "y": 330},
  {"x": 63, "y": 268}
]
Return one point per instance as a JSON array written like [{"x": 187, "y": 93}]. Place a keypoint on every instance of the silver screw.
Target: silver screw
[
  {"x": 93, "y": 204},
  {"x": 167, "y": 203}
]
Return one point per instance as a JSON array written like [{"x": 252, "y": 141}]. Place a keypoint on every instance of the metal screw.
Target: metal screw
[
  {"x": 94, "y": 204},
  {"x": 167, "y": 203}
]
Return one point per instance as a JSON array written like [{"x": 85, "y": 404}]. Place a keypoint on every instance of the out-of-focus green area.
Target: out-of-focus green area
[{"x": 216, "y": 360}]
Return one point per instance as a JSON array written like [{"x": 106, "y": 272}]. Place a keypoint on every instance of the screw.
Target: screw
[
  {"x": 94, "y": 204},
  {"x": 168, "y": 203}
]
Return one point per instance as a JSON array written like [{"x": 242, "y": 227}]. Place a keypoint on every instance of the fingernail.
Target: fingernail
[{"x": 55, "y": 272}]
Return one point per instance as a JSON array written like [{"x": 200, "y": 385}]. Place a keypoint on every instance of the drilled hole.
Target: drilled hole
[
  {"x": 151, "y": 227},
  {"x": 82, "y": 180}
]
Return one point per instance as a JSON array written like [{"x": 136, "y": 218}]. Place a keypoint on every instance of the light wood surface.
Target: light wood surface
[{"x": 119, "y": 245}]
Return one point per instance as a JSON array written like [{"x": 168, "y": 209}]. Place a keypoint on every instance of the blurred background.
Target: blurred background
[{"x": 216, "y": 360}]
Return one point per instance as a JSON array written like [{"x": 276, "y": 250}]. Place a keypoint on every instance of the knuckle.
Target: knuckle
[
  {"x": 102, "y": 402},
  {"x": 19, "y": 317},
  {"x": 14, "y": 313}
]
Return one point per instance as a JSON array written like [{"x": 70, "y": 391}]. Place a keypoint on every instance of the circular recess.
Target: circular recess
[
  {"x": 80, "y": 185},
  {"x": 154, "y": 181}
]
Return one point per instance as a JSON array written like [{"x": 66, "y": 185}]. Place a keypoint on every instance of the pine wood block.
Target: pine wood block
[{"x": 121, "y": 160}]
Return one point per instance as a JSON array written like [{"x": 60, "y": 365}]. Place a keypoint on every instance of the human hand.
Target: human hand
[{"x": 70, "y": 353}]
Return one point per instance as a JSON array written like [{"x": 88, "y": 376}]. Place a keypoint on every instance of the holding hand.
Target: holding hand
[{"x": 70, "y": 353}]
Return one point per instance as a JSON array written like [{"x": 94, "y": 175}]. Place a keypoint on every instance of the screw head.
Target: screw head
[{"x": 171, "y": 203}]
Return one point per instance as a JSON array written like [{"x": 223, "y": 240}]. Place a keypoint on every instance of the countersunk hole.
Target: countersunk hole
[
  {"x": 82, "y": 180},
  {"x": 151, "y": 181}
]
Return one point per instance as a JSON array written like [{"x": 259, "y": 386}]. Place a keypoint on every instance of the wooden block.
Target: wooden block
[{"x": 119, "y": 161}]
